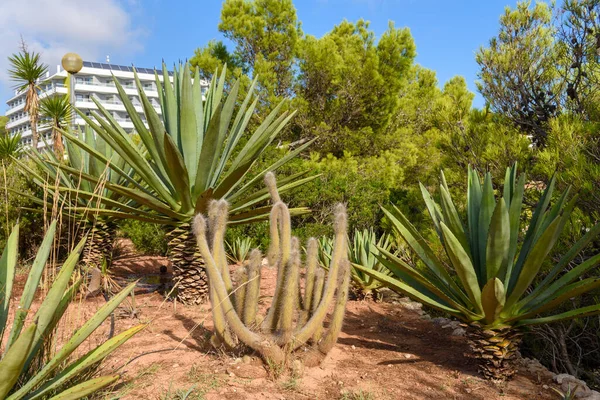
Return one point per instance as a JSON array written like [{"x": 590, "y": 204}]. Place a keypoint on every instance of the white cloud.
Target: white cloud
[{"x": 92, "y": 28}]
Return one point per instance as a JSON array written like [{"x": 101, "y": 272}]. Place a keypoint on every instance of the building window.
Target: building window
[{"x": 86, "y": 80}]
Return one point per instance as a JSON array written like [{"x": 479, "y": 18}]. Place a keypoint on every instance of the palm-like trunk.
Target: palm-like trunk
[
  {"x": 495, "y": 349},
  {"x": 188, "y": 265},
  {"x": 100, "y": 243},
  {"x": 59, "y": 149},
  {"x": 32, "y": 103}
]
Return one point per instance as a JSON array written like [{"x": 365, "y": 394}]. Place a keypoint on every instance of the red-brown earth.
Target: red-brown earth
[{"x": 385, "y": 351}]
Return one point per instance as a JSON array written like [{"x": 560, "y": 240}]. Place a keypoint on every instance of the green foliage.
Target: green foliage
[
  {"x": 363, "y": 184},
  {"x": 15, "y": 207},
  {"x": 520, "y": 74},
  {"x": 10, "y": 146},
  {"x": 573, "y": 151},
  {"x": 239, "y": 249},
  {"x": 214, "y": 57},
  {"x": 189, "y": 158},
  {"x": 492, "y": 272},
  {"x": 3, "y": 121},
  {"x": 348, "y": 86},
  {"x": 24, "y": 344},
  {"x": 363, "y": 250},
  {"x": 147, "y": 238},
  {"x": 56, "y": 110},
  {"x": 266, "y": 33},
  {"x": 26, "y": 69}
]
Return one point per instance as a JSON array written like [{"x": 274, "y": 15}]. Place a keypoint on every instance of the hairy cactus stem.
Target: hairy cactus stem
[
  {"x": 218, "y": 215},
  {"x": 339, "y": 255},
  {"x": 337, "y": 318},
  {"x": 271, "y": 184},
  {"x": 253, "y": 289},
  {"x": 241, "y": 277},
  {"x": 317, "y": 296},
  {"x": 279, "y": 212},
  {"x": 267, "y": 349},
  {"x": 289, "y": 294},
  {"x": 309, "y": 279}
]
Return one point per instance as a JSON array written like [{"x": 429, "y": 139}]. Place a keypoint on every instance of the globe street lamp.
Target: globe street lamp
[{"x": 72, "y": 63}]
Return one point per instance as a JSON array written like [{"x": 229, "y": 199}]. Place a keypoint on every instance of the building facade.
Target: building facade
[{"x": 95, "y": 80}]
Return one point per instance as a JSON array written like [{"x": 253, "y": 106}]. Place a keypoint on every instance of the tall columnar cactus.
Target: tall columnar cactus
[{"x": 299, "y": 307}]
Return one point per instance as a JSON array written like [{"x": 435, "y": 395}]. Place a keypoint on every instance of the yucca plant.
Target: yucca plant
[
  {"x": 494, "y": 287},
  {"x": 24, "y": 342},
  {"x": 238, "y": 249},
  {"x": 362, "y": 251},
  {"x": 26, "y": 70},
  {"x": 56, "y": 110},
  {"x": 81, "y": 199},
  {"x": 10, "y": 146},
  {"x": 188, "y": 157}
]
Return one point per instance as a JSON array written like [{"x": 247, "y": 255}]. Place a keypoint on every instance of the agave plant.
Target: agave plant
[
  {"x": 362, "y": 251},
  {"x": 10, "y": 146},
  {"x": 494, "y": 287},
  {"x": 238, "y": 250},
  {"x": 56, "y": 110},
  {"x": 80, "y": 199},
  {"x": 23, "y": 345},
  {"x": 188, "y": 157}
]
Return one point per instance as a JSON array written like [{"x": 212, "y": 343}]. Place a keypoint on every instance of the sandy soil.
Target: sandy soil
[{"x": 384, "y": 352}]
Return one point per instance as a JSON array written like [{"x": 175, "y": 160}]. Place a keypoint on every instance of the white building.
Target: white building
[{"x": 95, "y": 80}]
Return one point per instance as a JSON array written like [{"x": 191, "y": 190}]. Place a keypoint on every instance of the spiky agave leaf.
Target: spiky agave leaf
[
  {"x": 22, "y": 344},
  {"x": 494, "y": 275},
  {"x": 79, "y": 198},
  {"x": 189, "y": 154},
  {"x": 362, "y": 251},
  {"x": 10, "y": 146}
]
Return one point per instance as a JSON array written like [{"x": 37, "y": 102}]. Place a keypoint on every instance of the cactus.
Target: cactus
[{"x": 294, "y": 322}]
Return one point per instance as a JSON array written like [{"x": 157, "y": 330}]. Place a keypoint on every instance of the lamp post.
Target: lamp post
[{"x": 72, "y": 63}]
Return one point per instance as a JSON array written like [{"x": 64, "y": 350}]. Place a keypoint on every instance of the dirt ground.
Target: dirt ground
[{"x": 384, "y": 352}]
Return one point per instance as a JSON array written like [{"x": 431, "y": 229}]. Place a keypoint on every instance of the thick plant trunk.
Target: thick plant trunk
[
  {"x": 188, "y": 266},
  {"x": 100, "y": 244},
  {"x": 59, "y": 148},
  {"x": 495, "y": 350},
  {"x": 34, "y": 132}
]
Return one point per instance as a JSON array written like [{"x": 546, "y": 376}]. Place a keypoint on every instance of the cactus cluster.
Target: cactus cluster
[{"x": 295, "y": 319}]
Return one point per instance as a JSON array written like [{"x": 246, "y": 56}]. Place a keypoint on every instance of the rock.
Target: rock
[
  {"x": 247, "y": 359},
  {"x": 297, "y": 368},
  {"x": 426, "y": 317},
  {"x": 459, "y": 332},
  {"x": 451, "y": 325},
  {"x": 534, "y": 367},
  {"x": 582, "y": 391},
  {"x": 247, "y": 371},
  {"x": 412, "y": 306},
  {"x": 440, "y": 321}
]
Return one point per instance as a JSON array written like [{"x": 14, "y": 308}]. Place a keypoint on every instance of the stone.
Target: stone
[
  {"x": 459, "y": 332},
  {"x": 440, "y": 321},
  {"x": 569, "y": 382},
  {"x": 247, "y": 371},
  {"x": 452, "y": 325}
]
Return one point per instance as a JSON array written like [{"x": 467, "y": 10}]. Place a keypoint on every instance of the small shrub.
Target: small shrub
[{"x": 147, "y": 238}]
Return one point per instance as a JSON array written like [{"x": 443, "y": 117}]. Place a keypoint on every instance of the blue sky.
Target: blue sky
[{"x": 143, "y": 32}]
